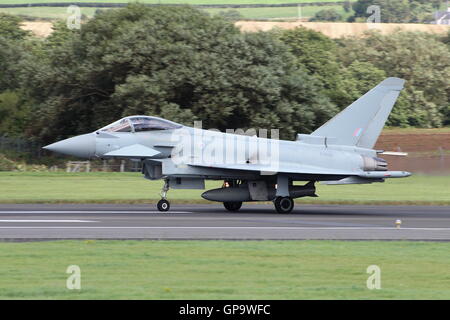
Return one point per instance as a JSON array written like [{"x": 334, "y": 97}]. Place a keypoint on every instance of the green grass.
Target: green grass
[
  {"x": 104, "y": 187},
  {"x": 53, "y": 13},
  {"x": 224, "y": 270},
  {"x": 193, "y": 2},
  {"x": 281, "y": 12},
  {"x": 247, "y": 13}
]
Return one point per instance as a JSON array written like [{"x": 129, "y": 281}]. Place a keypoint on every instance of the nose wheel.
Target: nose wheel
[{"x": 163, "y": 204}]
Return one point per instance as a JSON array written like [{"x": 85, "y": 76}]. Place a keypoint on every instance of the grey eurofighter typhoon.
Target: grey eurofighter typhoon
[{"x": 252, "y": 168}]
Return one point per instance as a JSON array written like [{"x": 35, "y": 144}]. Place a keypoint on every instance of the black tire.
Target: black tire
[
  {"x": 284, "y": 204},
  {"x": 163, "y": 205},
  {"x": 232, "y": 206}
]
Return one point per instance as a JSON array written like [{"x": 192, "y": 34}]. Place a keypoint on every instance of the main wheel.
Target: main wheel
[
  {"x": 163, "y": 205},
  {"x": 284, "y": 204},
  {"x": 232, "y": 206}
]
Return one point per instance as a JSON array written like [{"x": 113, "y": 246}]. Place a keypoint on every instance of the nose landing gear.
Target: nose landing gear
[{"x": 163, "y": 204}]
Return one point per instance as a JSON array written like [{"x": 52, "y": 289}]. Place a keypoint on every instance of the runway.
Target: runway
[{"x": 252, "y": 222}]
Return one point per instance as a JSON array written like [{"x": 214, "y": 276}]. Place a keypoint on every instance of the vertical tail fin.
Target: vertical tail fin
[{"x": 361, "y": 123}]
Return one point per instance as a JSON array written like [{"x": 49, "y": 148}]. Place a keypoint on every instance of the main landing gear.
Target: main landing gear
[
  {"x": 284, "y": 204},
  {"x": 232, "y": 206},
  {"x": 163, "y": 204}
]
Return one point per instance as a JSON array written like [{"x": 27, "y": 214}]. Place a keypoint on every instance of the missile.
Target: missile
[{"x": 384, "y": 174}]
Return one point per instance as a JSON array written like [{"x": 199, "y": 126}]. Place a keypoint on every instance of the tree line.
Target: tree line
[
  {"x": 181, "y": 64},
  {"x": 390, "y": 11}
]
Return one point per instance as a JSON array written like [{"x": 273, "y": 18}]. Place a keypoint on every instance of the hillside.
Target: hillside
[
  {"x": 415, "y": 140},
  {"x": 341, "y": 29},
  {"x": 428, "y": 149},
  {"x": 333, "y": 30},
  {"x": 40, "y": 29}
]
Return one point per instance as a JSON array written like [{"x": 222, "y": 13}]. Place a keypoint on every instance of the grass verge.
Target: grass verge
[
  {"x": 107, "y": 187},
  {"x": 224, "y": 270}
]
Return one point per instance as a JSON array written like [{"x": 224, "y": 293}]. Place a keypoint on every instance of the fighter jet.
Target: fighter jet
[{"x": 252, "y": 168}]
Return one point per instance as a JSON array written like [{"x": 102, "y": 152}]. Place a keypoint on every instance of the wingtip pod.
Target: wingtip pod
[{"x": 397, "y": 83}]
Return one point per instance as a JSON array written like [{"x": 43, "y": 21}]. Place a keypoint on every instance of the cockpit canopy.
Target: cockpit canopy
[{"x": 140, "y": 123}]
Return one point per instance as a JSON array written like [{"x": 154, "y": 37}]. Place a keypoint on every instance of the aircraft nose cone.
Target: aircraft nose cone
[{"x": 82, "y": 146}]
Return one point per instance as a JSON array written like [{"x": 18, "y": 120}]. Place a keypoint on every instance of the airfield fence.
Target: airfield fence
[
  {"x": 33, "y": 148},
  {"x": 102, "y": 166}
]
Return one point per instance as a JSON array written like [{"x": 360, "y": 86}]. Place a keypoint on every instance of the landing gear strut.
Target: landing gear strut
[
  {"x": 163, "y": 204},
  {"x": 284, "y": 204}
]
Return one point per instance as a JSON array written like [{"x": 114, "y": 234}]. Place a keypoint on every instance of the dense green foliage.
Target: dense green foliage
[
  {"x": 11, "y": 50},
  {"x": 13, "y": 47},
  {"x": 348, "y": 68},
  {"x": 177, "y": 63},
  {"x": 231, "y": 15},
  {"x": 421, "y": 59},
  {"x": 399, "y": 11},
  {"x": 327, "y": 15},
  {"x": 181, "y": 64},
  {"x": 9, "y": 27},
  {"x": 342, "y": 84}
]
